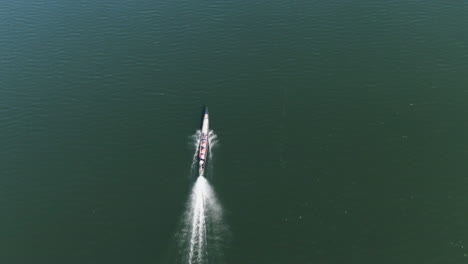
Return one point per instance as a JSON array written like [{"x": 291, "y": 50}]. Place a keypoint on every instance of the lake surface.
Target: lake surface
[{"x": 342, "y": 129}]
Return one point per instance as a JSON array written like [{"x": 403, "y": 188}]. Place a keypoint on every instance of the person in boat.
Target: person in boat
[{"x": 202, "y": 153}]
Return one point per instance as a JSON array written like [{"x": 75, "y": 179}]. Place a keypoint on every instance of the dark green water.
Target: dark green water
[{"x": 342, "y": 128}]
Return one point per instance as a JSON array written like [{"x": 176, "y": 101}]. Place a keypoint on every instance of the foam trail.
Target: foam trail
[
  {"x": 212, "y": 142},
  {"x": 198, "y": 233},
  {"x": 203, "y": 232},
  {"x": 196, "y": 142}
]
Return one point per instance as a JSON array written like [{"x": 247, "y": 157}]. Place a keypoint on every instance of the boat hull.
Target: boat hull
[{"x": 204, "y": 144}]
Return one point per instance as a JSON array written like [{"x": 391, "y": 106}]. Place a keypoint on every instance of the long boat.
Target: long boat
[{"x": 203, "y": 148}]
